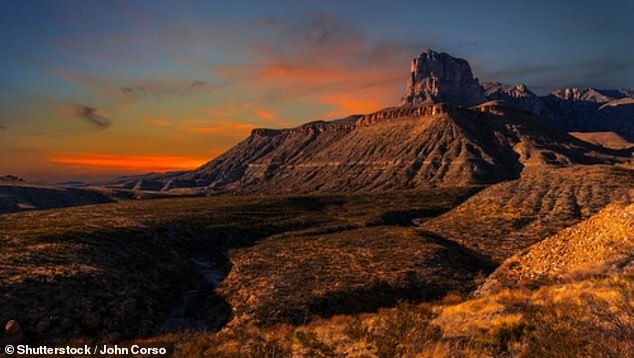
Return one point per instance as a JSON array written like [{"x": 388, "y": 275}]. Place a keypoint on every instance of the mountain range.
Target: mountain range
[{"x": 449, "y": 130}]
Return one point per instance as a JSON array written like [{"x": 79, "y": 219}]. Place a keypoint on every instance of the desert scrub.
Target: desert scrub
[{"x": 403, "y": 331}]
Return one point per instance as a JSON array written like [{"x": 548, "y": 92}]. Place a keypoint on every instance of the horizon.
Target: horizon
[{"x": 94, "y": 91}]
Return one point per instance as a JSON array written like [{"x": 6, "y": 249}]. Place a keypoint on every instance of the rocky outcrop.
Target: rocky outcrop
[
  {"x": 438, "y": 77},
  {"x": 518, "y": 96}
]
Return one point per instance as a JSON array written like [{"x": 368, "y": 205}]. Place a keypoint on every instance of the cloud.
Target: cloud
[
  {"x": 237, "y": 110},
  {"x": 230, "y": 108},
  {"x": 218, "y": 128},
  {"x": 2, "y": 126},
  {"x": 158, "y": 163},
  {"x": 264, "y": 114},
  {"x": 156, "y": 89},
  {"x": 93, "y": 115},
  {"x": 325, "y": 60},
  {"x": 158, "y": 122},
  {"x": 132, "y": 91}
]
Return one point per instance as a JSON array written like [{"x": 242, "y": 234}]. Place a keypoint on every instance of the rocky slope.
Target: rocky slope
[
  {"x": 606, "y": 139},
  {"x": 598, "y": 246},
  {"x": 508, "y": 217}
]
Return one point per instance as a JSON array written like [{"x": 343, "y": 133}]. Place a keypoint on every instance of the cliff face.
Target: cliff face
[{"x": 438, "y": 77}]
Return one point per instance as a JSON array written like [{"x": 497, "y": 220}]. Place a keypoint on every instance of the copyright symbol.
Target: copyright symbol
[{"x": 9, "y": 349}]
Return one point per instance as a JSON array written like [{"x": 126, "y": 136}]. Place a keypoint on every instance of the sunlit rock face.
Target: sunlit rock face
[{"x": 438, "y": 77}]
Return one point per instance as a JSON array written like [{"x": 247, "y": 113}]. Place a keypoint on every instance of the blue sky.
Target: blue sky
[{"x": 95, "y": 88}]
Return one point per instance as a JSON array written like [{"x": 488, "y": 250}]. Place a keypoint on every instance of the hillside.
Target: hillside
[
  {"x": 606, "y": 139},
  {"x": 569, "y": 295},
  {"x": 154, "y": 255},
  {"x": 601, "y": 245},
  {"x": 506, "y": 218},
  {"x": 20, "y": 196}
]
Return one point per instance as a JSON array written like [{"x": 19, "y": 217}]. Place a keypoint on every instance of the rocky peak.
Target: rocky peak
[
  {"x": 500, "y": 89},
  {"x": 438, "y": 77},
  {"x": 582, "y": 95},
  {"x": 518, "y": 96}
]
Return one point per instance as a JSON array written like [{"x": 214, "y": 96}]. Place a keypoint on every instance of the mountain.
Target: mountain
[
  {"x": 402, "y": 147},
  {"x": 516, "y": 96},
  {"x": 421, "y": 143},
  {"x": 448, "y": 131},
  {"x": 572, "y": 109},
  {"x": 591, "y": 110}
]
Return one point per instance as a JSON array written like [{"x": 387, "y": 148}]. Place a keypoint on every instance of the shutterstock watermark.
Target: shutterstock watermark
[{"x": 85, "y": 350}]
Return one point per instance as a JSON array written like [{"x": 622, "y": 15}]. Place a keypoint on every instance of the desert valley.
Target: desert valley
[{"x": 472, "y": 219}]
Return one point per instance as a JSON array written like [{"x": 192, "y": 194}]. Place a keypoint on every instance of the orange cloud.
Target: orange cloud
[
  {"x": 220, "y": 128},
  {"x": 230, "y": 109},
  {"x": 157, "y": 121},
  {"x": 145, "y": 163},
  {"x": 264, "y": 114},
  {"x": 348, "y": 106}
]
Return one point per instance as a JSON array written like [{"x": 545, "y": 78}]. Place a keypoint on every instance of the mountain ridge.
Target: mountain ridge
[{"x": 402, "y": 147}]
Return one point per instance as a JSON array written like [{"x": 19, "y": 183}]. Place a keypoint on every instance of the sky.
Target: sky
[{"x": 94, "y": 89}]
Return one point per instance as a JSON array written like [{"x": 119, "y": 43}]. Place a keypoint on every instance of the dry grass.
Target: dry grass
[
  {"x": 510, "y": 324},
  {"x": 116, "y": 271}
]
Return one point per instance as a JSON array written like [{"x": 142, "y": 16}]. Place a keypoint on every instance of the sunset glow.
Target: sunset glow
[{"x": 129, "y": 163}]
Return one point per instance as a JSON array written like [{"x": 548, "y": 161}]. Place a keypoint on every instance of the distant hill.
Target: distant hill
[
  {"x": 605, "y": 139},
  {"x": 21, "y": 195}
]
